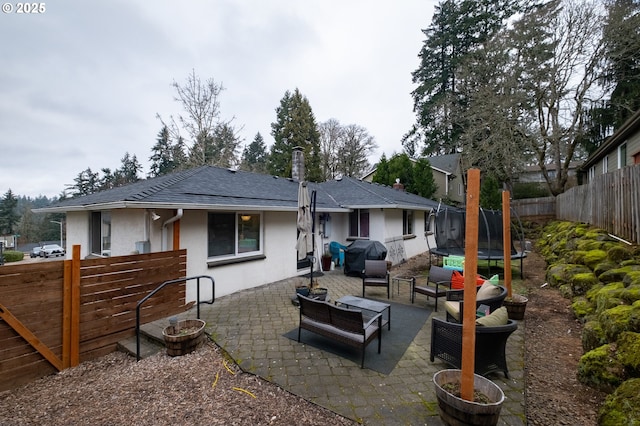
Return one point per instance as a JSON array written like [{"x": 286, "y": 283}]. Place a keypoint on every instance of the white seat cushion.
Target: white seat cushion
[
  {"x": 488, "y": 290},
  {"x": 453, "y": 308}
]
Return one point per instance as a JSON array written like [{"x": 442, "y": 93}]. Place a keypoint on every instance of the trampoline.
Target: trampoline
[{"x": 448, "y": 227}]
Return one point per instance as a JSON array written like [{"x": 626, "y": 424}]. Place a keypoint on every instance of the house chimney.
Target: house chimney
[
  {"x": 297, "y": 164},
  {"x": 398, "y": 186}
]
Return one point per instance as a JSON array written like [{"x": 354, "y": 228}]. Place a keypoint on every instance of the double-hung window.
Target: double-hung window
[
  {"x": 359, "y": 223},
  {"x": 232, "y": 234},
  {"x": 407, "y": 222}
]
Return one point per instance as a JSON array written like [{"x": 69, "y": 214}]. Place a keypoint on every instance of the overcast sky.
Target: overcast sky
[{"x": 82, "y": 83}]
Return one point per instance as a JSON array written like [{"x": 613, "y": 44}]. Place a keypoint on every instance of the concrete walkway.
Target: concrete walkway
[{"x": 250, "y": 325}]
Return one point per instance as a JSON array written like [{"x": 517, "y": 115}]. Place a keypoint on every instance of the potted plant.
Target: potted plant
[
  {"x": 516, "y": 305},
  {"x": 326, "y": 261},
  {"x": 483, "y": 410},
  {"x": 183, "y": 337},
  {"x": 318, "y": 292}
]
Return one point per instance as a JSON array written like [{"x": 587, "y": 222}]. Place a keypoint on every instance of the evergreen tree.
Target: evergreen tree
[
  {"x": 424, "y": 184},
  {"x": 254, "y": 156},
  {"x": 416, "y": 176},
  {"x": 457, "y": 29},
  {"x": 128, "y": 171},
  {"x": 295, "y": 126},
  {"x": 621, "y": 73},
  {"x": 490, "y": 193},
  {"x": 163, "y": 160},
  {"x": 8, "y": 214},
  {"x": 87, "y": 182}
]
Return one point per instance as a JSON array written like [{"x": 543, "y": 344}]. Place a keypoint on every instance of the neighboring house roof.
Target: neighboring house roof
[
  {"x": 628, "y": 128},
  {"x": 210, "y": 187},
  {"x": 357, "y": 194},
  {"x": 448, "y": 163}
]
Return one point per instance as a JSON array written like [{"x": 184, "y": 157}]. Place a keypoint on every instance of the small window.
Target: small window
[
  {"x": 407, "y": 222},
  {"x": 605, "y": 165},
  {"x": 234, "y": 234},
  {"x": 622, "y": 156},
  {"x": 359, "y": 223},
  {"x": 100, "y": 233}
]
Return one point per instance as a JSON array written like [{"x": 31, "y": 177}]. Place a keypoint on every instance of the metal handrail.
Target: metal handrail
[{"x": 160, "y": 287}]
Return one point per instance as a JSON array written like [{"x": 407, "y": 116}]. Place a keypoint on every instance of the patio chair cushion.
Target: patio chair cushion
[
  {"x": 488, "y": 290},
  {"x": 498, "y": 317}
]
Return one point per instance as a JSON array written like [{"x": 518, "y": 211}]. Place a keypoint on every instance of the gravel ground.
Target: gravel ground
[
  {"x": 201, "y": 388},
  {"x": 206, "y": 388}
]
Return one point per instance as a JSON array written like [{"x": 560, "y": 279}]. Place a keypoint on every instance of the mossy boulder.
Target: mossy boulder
[
  {"x": 600, "y": 368},
  {"x": 562, "y": 273},
  {"x": 618, "y": 253},
  {"x": 616, "y": 320},
  {"x": 582, "y": 307},
  {"x": 588, "y": 245},
  {"x": 592, "y": 336},
  {"x": 603, "y": 267},
  {"x": 631, "y": 294},
  {"x": 609, "y": 296},
  {"x": 582, "y": 282},
  {"x": 622, "y": 407},
  {"x": 593, "y": 257},
  {"x": 629, "y": 353},
  {"x": 613, "y": 275},
  {"x": 632, "y": 278}
]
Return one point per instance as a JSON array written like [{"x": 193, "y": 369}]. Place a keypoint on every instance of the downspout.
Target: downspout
[{"x": 169, "y": 221}]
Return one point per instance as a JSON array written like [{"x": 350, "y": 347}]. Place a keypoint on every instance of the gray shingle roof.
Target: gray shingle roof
[{"x": 214, "y": 187}]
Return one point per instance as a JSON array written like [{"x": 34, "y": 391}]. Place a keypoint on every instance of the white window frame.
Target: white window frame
[{"x": 407, "y": 222}]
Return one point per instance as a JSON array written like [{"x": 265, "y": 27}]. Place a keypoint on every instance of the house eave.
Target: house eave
[{"x": 170, "y": 206}]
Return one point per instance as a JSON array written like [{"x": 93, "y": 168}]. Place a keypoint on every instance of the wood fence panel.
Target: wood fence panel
[
  {"x": 110, "y": 289},
  {"x": 610, "y": 202},
  {"x": 33, "y": 294}
]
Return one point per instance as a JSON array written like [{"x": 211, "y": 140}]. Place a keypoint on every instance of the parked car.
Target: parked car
[
  {"x": 35, "y": 252},
  {"x": 51, "y": 250}
]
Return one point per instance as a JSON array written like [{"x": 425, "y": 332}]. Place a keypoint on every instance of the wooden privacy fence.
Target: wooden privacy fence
[
  {"x": 57, "y": 314},
  {"x": 610, "y": 202}
]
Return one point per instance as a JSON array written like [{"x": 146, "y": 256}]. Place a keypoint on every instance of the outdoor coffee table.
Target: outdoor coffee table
[{"x": 367, "y": 305}]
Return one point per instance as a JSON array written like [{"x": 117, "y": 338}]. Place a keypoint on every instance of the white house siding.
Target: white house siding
[
  {"x": 127, "y": 227},
  {"x": 279, "y": 242},
  {"x": 78, "y": 232}
]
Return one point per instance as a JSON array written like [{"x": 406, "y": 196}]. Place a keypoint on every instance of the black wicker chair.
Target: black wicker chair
[{"x": 491, "y": 343}]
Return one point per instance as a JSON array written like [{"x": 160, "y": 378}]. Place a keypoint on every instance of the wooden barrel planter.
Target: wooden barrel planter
[
  {"x": 456, "y": 411},
  {"x": 516, "y": 306},
  {"x": 184, "y": 337}
]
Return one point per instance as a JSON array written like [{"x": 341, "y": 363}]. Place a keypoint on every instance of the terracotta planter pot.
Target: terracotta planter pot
[
  {"x": 183, "y": 338},
  {"x": 457, "y": 411}
]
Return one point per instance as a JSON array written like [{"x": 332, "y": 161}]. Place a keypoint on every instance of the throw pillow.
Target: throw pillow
[
  {"x": 457, "y": 281},
  {"x": 488, "y": 290},
  {"x": 498, "y": 317}
]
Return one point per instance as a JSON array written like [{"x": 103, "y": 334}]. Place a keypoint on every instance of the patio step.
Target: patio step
[{"x": 151, "y": 341}]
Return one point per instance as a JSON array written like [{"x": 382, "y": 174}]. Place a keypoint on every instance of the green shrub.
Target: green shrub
[{"x": 12, "y": 256}]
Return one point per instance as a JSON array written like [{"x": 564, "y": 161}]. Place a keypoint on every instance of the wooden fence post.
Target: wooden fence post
[
  {"x": 506, "y": 240},
  {"x": 75, "y": 307},
  {"x": 66, "y": 315},
  {"x": 470, "y": 274}
]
